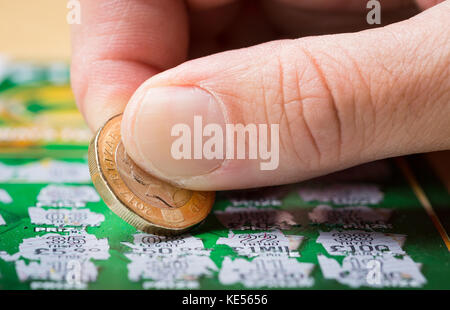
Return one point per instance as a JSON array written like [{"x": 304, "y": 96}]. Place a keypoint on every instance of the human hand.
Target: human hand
[{"x": 340, "y": 100}]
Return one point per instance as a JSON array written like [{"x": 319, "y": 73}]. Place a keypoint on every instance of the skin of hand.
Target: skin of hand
[{"x": 339, "y": 99}]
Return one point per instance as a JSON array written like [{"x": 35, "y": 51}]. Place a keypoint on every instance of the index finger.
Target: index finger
[{"x": 120, "y": 44}]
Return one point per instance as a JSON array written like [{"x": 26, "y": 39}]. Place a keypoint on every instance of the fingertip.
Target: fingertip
[{"x": 148, "y": 127}]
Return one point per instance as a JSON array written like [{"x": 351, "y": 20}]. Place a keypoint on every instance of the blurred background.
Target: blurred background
[{"x": 34, "y": 30}]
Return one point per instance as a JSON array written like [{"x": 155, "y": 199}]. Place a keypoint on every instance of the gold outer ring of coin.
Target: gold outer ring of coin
[{"x": 140, "y": 213}]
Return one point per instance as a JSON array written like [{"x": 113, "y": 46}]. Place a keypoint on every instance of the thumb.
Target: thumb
[{"x": 339, "y": 100}]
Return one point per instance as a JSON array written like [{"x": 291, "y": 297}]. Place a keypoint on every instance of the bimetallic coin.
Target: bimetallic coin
[{"x": 147, "y": 203}]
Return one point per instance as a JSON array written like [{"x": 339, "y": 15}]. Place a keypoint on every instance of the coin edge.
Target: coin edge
[{"x": 114, "y": 203}]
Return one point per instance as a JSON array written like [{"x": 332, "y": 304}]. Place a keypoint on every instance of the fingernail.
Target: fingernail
[{"x": 147, "y": 126}]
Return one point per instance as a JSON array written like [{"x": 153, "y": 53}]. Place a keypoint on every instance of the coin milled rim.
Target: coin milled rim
[{"x": 142, "y": 214}]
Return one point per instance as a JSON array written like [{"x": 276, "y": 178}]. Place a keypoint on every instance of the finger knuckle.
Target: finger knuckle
[{"x": 313, "y": 124}]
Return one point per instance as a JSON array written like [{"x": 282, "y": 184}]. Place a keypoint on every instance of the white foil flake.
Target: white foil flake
[
  {"x": 372, "y": 259},
  {"x": 361, "y": 242},
  {"x": 354, "y": 217},
  {"x": 65, "y": 217},
  {"x": 67, "y": 195},
  {"x": 168, "y": 262},
  {"x": 45, "y": 171},
  {"x": 359, "y": 270},
  {"x": 271, "y": 243},
  {"x": 4, "y": 196},
  {"x": 252, "y": 218},
  {"x": 263, "y": 271},
  {"x": 271, "y": 265},
  {"x": 343, "y": 194},
  {"x": 60, "y": 261}
]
